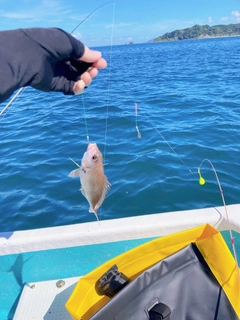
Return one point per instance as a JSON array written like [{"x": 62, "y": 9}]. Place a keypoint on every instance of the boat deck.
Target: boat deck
[
  {"x": 22, "y": 270},
  {"x": 29, "y": 257},
  {"x": 53, "y": 296}
]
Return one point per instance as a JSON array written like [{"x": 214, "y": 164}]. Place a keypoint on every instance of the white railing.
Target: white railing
[{"x": 152, "y": 225}]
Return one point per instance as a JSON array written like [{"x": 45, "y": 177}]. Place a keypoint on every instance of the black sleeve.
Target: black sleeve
[{"x": 44, "y": 58}]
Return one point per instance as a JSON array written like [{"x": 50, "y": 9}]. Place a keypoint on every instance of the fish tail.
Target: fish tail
[
  {"x": 95, "y": 212},
  {"x": 96, "y": 215}
]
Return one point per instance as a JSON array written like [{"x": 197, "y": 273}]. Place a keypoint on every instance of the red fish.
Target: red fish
[{"x": 94, "y": 183}]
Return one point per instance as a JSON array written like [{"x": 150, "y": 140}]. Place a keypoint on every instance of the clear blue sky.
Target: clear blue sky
[{"x": 134, "y": 20}]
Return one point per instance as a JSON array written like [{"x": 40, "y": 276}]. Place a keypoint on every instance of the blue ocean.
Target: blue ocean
[{"x": 188, "y": 98}]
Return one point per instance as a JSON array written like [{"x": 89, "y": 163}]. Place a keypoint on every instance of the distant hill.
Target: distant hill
[{"x": 199, "y": 32}]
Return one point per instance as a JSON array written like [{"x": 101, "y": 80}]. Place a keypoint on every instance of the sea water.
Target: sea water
[{"x": 187, "y": 92}]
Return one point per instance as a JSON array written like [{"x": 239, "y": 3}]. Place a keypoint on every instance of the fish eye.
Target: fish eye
[{"x": 95, "y": 158}]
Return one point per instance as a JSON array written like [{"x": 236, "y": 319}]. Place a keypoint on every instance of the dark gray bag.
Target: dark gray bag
[{"x": 180, "y": 287}]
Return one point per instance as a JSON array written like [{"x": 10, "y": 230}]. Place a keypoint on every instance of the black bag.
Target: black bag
[{"x": 180, "y": 287}]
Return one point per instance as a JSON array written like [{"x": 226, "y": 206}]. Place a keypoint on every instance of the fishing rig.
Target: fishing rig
[
  {"x": 201, "y": 179},
  {"x": 21, "y": 90},
  {"x": 109, "y": 77}
]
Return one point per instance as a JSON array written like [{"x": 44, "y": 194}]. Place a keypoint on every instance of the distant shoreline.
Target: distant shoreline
[
  {"x": 152, "y": 41},
  {"x": 201, "y": 32},
  {"x": 201, "y": 38}
]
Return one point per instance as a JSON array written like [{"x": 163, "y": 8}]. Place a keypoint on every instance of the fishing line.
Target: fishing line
[
  {"x": 145, "y": 114},
  {"x": 11, "y": 102},
  {"x": 109, "y": 84},
  {"x": 83, "y": 102},
  {"x": 201, "y": 181},
  {"x": 108, "y": 96},
  {"x": 136, "y": 112},
  {"x": 90, "y": 14},
  {"x": 78, "y": 165},
  {"x": 85, "y": 119}
]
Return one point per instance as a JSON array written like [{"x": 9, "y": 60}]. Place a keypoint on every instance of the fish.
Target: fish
[{"x": 94, "y": 183}]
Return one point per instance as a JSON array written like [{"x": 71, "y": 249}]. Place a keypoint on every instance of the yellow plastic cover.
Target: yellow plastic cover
[{"x": 84, "y": 301}]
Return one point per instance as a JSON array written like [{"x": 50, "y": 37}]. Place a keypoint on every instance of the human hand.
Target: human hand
[
  {"x": 94, "y": 57},
  {"x": 64, "y": 64},
  {"x": 47, "y": 59}
]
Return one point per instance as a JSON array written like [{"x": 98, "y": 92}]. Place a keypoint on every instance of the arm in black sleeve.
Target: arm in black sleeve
[{"x": 44, "y": 58}]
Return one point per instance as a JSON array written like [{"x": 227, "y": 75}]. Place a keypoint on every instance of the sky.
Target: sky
[{"x": 117, "y": 22}]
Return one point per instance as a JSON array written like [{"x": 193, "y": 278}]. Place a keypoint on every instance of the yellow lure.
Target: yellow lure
[{"x": 201, "y": 180}]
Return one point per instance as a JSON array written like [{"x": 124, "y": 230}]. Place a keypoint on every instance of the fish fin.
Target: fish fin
[
  {"x": 95, "y": 212},
  {"x": 106, "y": 187},
  {"x": 75, "y": 173}
]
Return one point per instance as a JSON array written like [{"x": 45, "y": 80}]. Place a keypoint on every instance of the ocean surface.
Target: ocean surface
[{"x": 188, "y": 96}]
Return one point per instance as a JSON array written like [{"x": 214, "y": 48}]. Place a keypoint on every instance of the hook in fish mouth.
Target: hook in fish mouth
[{"x": 84, "y": 167}]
